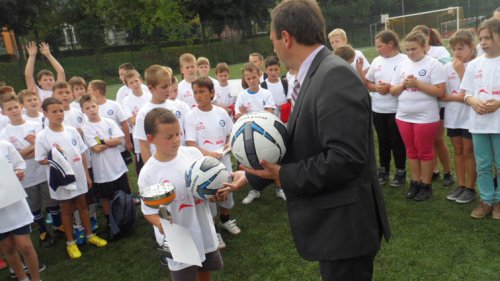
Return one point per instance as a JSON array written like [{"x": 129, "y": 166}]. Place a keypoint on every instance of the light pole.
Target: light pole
[{"x": 403, "y": 13}]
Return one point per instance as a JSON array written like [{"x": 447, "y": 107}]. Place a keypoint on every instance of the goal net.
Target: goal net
[{"x": 446, "y": 21}]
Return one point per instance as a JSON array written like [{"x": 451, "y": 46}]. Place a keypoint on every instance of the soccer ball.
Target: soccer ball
[
  {"x": 205, "y": 177},
  {"x": 258, "y": 136}
]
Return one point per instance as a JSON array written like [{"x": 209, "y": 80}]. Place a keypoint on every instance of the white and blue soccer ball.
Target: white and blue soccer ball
[
  {"x": 205, "y": 176},
  {"x": 258, "y": 136}
]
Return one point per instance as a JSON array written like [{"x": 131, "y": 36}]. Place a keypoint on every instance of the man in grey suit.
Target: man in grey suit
[{"x": 335, "y": 205}]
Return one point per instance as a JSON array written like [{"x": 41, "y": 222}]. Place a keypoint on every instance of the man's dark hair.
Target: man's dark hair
[{"x": 302, "y": 19}]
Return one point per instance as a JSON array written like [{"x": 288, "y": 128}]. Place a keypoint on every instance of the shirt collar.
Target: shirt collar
[{"x": 304, "y": 68}]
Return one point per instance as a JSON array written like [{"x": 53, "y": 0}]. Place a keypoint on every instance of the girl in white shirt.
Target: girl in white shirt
[{"x": 418, "y": 83}]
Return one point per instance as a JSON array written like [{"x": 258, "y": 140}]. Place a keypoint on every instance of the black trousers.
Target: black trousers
[
  {"x": 355, "y": 269},
  {"x": 389, "y": 140}
]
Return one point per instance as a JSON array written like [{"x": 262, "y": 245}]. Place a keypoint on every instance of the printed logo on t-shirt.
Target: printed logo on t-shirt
[
  {"x": 79, "y": 119},
  {"x": 110, "y": 132},
  {"x": 200, "y": 126},
  {"x": 110, "y": 112},
  {"x": 222, "y": 123},
  {"x": 379, "y": 68},
  {"x": 454, "y": 92},
  {"x": 479, "y": 74},
  {"x": 483, "y": 91},
  {"x": 73, "y": 141},
  {"x": 32, "y": 132},
  {"x": 495, "y": 91},
  {"x": 452, "y": 76},
  {"x": 178, "y": 114},
  {"x": 422, "y": 72}
]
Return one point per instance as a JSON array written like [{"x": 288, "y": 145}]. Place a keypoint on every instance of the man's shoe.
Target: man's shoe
[
  {"x": 383, "y": 175},
  {"x": 46, "y": 239},
  {"x": 424, "y": 193},
  {"x": 252, "y": 195},
  {"x": 399, "y": 178},
  {"x": 455, "y": 193},
  {"x": 481, "y": 210},
  {"x": 467, "y": 196},
  {"x": 222, "y": 245},
  {"x": 73, "y": 251},
  {"x": 496, "y": 212},
  {"x": 448, "y": 179},
  {"x": 95, "y": 240},
  {"x": 231, "y": 227},
  {"x": 280, "y": 194},
  {"x": 413, "y": 190}
]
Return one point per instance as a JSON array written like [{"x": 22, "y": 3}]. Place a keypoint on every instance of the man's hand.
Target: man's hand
[{"x": 270, "y": 171}]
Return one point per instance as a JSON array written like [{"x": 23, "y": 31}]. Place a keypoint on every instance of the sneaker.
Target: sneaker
[
  {"x": 222, "y": 245},
  {"x": 383, "y": 175},
  {"x": 496, "y": 211},
  {"x": 424, "y": 193},
  {"x": 467, "y": 196},
  {"x": 481, "y": 210},
  {"x": 94, "y": 223},
  {"x": 41, "y": 268},
  {"x": 96, "y": 240},
  {"x": 73, "y": 251},
  {"x": 455, "y": 193},
  {"x": 252, "y": 195},
  {"x": 46, "y": 239},
  {"x": 231, "y": 227},
  {"x": 3, "y": 264},
  {"x": 435, "y": 176},
  {"x": 413, "y": 190},
  {"x": 280, "y": 194},
  {"x": 79, "y": 235},
  {"x": 448, "y": 179},
  {"x": 399, "y": 178},
  {"x": 48, "y": 219},
  {"x": 165, "y": 249}
]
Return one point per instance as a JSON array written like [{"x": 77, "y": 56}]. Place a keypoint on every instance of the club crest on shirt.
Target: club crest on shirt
[
  {"x": 110, "y": 112},
  {"x": 422, "y": 72},
  {"x": 110, "y": 132},
  {"x": 222, "y": 123},
  {"x": 178, "y": 114},
  {"x": 73, "y": 141},
  {"x": 79, "y": 119}
]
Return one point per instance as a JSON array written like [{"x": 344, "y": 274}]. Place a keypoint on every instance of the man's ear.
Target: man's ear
[{"x": 287, "y": 38}]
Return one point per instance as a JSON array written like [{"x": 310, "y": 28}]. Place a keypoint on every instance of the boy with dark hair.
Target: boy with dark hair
[{"x": 277, "y": 86}]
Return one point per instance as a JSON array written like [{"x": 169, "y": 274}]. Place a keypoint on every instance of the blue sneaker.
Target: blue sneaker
[
  {"x": 48, "y": 220},
  {"x": 79, "y": 235},
  {"x": 94, "y": 223}
]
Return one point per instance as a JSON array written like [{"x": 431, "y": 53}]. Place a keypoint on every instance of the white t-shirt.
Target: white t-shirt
[
  {"x": 72, "y": 117},
  {"x": 291, "y": 80},
  {"x": 72, "y": 144},
  {"x": 440, "y": 53},
  {"x": 185, "y": 93},
  {"x": 18, "y": 214},
  {"x": 114, "y": 111},
  {"x": 382, "y": 70},
  {"x": 34, "y": 173},
  {"x": 456, "y": 114},
  {"x": 107, "y": 165},
  {"x": 223, "y": 95},
  {"x": 76, "y": 105},
  {"x": 131, "y": 105},
  {"x": 210, "y": 130},
  {"x": 186, "y": 211},
  {"x": 40, "y": 119},
  {"x": 415, "y": 106},
  {"x": 254, "y": 101},
  {"x": 278, "y": 92},
  {"x": 358, "y": 54},
  {"x": 482, "y": 81},
  {"x": 124, "y": 91},
  {"x": 43, "y": 93},
  {"x": 479, "y": 50}
]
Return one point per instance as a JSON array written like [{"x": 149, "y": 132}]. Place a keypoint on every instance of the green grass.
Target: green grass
[{"x": 432, "y": 240}]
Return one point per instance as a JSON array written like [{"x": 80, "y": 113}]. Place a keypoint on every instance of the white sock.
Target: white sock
[
  {"x": 93, "y": 210},
  {"x": 78, "y": 220}
]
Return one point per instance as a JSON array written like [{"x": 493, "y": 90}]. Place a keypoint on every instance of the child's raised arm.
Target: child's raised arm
[
  {"x": 45, "y": 50},
  {"x": 30, "y": 67}
]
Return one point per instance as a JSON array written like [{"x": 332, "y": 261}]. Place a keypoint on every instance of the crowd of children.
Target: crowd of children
[{"x": 71, "y": 146}]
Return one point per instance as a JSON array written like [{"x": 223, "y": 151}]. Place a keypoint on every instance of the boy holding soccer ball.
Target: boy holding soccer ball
[{"x": 169, "y": 163}]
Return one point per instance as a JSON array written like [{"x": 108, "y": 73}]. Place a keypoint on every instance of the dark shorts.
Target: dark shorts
[
  {"x": 107, "y": 189},
  {"x": 213, "y": 262},
  {"x": 127, "y": 157},
  {"x": 23, "y": 230},
  {"x": 441, "y": 113},
  {"x": 464, "y": 133}
]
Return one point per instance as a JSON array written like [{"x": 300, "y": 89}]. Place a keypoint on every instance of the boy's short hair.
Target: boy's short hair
[
  {"x": 346, "y": 52},
  {"x": 131, "y": 73},
  {"x": 338, "y": 32},
  {"x": 76, "y": 81},
  {"x": 60, "y": 85},
  {"x": 25, "y": 93},
  {"x": 44, "y": 72},
  {"x": 221, "y": 67},
  {"x": 126, "y": 66},
  {"x": 156, "y": 73},
  {"x": 271, "y": 60},
  {"x": 204, "y": 82},
  {"x": 156, "y": 117},
  {"x": 7, "y": 97},
  {"x": 98, "y": 85},
  {"x": 86, "y": 98},
  {"x": 259, "y": 55},
  {"x": 250, "y": 67},
  {"x": 187, "y": 58},
  {"x": 50, "y": 101},
  {"x": 6, "y": 89},
  {"x": 202, "y": 61}
]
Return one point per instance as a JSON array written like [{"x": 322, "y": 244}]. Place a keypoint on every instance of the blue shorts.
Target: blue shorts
[{"x": 23, "y": 230}]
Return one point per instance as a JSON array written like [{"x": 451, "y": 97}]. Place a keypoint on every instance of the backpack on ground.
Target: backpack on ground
[{"x": 122, "y": 216}]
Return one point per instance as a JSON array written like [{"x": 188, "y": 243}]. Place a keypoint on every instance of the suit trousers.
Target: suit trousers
[{"x": 355, "y": 269}]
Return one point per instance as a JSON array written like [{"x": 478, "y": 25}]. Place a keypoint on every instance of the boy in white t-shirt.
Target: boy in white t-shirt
[
  {"x": 254, "y": 98},
  {"x": 275, "y": 84},
  {"x": 22, "y": 135},
  {"x": 187, "y": 63},
  {"x": 114, "y": 111},
  {"x": 78, "y": 88},
  {"x": 124, "y": 90},
  {"x": 338, "y": 38},
  {"x": 223, "y": 95},
  {"x": 257, "y": 59},
  {"x": 103, "y": 137},
  {"x": 31, "y": 103},
  {"x": 46, "y": 78},
  {"x": 68, "y": 141},
  {"x": 203, "y": 69},
  {"x": 15, "y": 223},
  {"x": 72, "y": 117},
  {"x": 208, "y": 128},
  {"x": 169, "y": 163}
]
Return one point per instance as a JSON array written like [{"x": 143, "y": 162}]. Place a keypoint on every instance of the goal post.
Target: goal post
[{"x": 446, "y": 21}]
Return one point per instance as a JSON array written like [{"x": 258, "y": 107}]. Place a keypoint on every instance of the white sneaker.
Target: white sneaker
[
  {"x": 251, "y": 196},
  {"x": 222, "y": 245},
  {"x": 231, "y": 227},
  {"x": 280, "y": 194}
]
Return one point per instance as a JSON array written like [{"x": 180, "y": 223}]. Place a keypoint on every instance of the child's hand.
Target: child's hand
[
  {"x": 89, "y": 182},
  {"x": 30, "y": 138},
  {"x": 221, "y": 195},
  {"x": 239, "y": 181},
  {"x": 19, "y": 174},
  {"x": 492, "y": 105},
  {"x": 478, "y": 105},
  {"x": 243, "y": 109},
  {"x": 214, "y": 154},
  {"x": 458, "y": 65},
  {"x": 59, "y": 148},
  {"x": 44, "y": 49},
  {"x": 410, "y": 82},
  {"x": 359, "y": 65},
  {"x": 383, "y": 88},
  {"x": 31, "y": 49}
]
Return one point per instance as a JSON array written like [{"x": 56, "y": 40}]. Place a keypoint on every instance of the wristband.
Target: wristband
[{"x": 99, "y": 140}]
